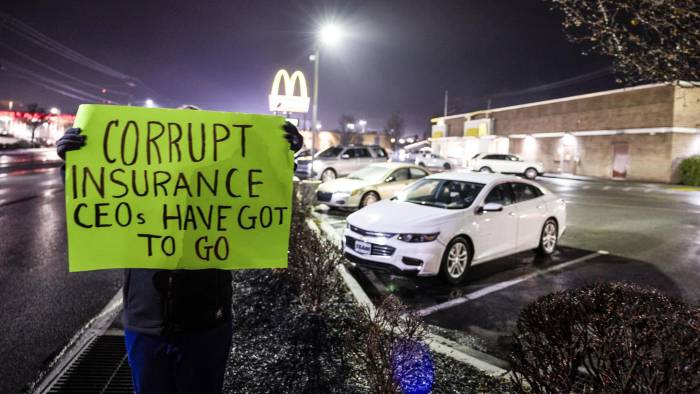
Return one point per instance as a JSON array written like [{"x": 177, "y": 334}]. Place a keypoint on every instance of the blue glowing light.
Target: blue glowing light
[{"x": 412, "y": 367}]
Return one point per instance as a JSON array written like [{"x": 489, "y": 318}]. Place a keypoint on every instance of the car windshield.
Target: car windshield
[
  {"x": 330, "y": 152},
  {"x": 370, "y": 173},
  {"x": 441, "y": 193}
]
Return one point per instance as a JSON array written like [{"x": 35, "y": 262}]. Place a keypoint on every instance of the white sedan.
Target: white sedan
[
  {"x": 431, "y": 160},
  {"x": 445, "y": 223},
  {"x": 505, "y": 164}
]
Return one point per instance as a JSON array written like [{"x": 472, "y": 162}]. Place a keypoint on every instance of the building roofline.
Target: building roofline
[{"x": 558, "y": 100}]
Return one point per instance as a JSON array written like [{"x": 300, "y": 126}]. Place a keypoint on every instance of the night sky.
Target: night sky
[{"x": 397, "y": 56}]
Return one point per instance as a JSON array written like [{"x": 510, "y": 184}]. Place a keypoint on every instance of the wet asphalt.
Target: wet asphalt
[
  {"x": 652, "y": 235},
  {"x": 41, "y": 305},
  {"x": 644, "y": 234}
]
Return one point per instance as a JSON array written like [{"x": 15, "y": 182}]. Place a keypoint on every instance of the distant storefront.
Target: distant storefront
[
  {"x": 639, "y": 133},
  {"x": 326, "y": 139},
  {"x": 17, "y": 125}
]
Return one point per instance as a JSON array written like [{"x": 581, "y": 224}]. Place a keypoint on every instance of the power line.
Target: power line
[
  {"x": 24, "y": 71},
  {"x": 57, "y": 71},
  {"x": 59, "y": 91},
  {"x": 544, "y": 87},
  {"x": 557, "y": 84},
  {"x": 39, "y": 39}
]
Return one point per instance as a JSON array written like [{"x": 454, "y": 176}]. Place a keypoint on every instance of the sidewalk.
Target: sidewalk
[{"x": 662, "y": 187}]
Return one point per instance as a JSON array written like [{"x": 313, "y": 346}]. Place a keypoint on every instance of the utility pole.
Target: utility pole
[
  {"x": 314, "y": 105},
  {"x": 445, "y": 109}
]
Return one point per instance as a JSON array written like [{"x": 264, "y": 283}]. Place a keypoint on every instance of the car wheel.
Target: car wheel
[
  {"x": 328, "y": 175},
  {"x": 369, "y": 198},
  {"x": 548, "y": 238},
  {"x": 485, "y": 169},
  {"x": 447, "y": 166},
  {"x": 456, "y": 261},
  {"x": 531, "y": 173}
]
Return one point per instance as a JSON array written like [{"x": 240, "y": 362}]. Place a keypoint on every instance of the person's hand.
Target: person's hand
[
  {"x": 291, "y": 134},
  {"x": 71, "y": 140}
]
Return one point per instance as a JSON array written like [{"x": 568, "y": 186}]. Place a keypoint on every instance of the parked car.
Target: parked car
[
  {"x": 339, "y": 161},
  {"x": 431, "y": 160},
  {"x": 445, "y": 223},
  {"x": 368, "y": 185},
  {"x": 505, "y": 164},
  {"x": 302, "y": 153}
]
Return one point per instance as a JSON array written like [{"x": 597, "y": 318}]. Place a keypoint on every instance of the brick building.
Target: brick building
[{"x": 639, "y": 133}]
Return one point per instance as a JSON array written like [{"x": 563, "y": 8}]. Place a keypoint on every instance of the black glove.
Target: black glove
[
  {"x": 291, "y": 134},
  {"x": 71, "y": 140}
]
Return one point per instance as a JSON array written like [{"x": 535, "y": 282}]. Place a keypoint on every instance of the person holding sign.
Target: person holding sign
[{"x": 177, "y": 322}]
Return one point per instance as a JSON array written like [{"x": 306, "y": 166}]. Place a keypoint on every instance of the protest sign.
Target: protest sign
[{"x": 178, "y": 189}]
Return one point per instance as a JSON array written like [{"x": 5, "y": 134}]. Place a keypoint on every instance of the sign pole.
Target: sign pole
[{"x": 314, "y": 106}]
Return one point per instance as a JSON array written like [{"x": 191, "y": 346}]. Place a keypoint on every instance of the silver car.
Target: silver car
[
  {"x": 339, "y": 161},
  {"x": 369, "y": 185}
]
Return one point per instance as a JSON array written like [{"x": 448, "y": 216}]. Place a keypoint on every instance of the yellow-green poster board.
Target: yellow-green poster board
[{"x": 178, "y": 189}]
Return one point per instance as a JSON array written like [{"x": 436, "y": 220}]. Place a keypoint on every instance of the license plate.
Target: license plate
[{"x": 363, "y": 247}]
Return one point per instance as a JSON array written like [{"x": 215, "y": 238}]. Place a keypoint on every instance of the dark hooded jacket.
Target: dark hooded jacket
[{"x": 162, "y": 302}]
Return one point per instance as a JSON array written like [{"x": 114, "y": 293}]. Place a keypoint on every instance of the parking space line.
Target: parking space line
[
  {"x": 500, "y": 286},
  {"x": 376, "y": 282}
]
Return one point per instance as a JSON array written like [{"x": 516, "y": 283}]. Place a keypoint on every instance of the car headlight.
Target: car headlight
[
  {"x": 418, "y": 237},
  {"x": 316, "y": 165}
]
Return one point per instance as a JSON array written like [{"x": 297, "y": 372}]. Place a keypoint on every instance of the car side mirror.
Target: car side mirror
[
  {"x": 345, "y": 156},
  {"x": 493, "y": 207}
]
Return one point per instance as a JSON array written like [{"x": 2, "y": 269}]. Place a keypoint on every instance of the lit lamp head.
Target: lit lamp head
[{"x": 330, "y": 34}]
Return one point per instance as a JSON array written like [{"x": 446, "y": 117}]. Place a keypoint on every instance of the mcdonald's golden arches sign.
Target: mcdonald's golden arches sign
[{"x": 287, "y": 101}]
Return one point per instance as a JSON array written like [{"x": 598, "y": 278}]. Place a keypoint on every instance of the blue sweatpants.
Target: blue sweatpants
[{"x": 192, "y": 362}]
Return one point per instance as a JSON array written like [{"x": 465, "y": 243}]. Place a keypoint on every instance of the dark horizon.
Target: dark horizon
[{"x": 397, "y": 56}]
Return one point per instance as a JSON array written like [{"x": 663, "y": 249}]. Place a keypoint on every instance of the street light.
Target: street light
[
  {"x": 54, "y": 111},
  {"x": 329, "y": 34},
  {"x": 362, "y": 123},
  {"x": 149, "y": 103},
  {"x": 351, "y": 126}
]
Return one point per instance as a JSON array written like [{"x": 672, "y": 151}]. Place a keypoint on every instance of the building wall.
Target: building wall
[
  {"x": 654, "y": 154},
  {"x": 649, "y": 155},
  {"x": 641, "y": 108},
  {"x": 686, "y": 107},
  {"x": 454, "y": 127}
]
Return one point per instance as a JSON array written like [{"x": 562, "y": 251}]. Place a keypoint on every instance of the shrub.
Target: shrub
[
  {"x": 621, "y": 337},
  {"x": 290, "y": 324},
  {"x": 690, "y": 171},
  {"x": 390, "y": 350}
]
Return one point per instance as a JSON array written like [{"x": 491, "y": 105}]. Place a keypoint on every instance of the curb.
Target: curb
[
  {"x": 97, "y": 326},
  {"x": 438, "y": 344},
  {"x": 648, "y": 186}
]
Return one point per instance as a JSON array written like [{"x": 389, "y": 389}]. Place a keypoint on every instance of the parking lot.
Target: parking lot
[{"x": 654, "y": 241}]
